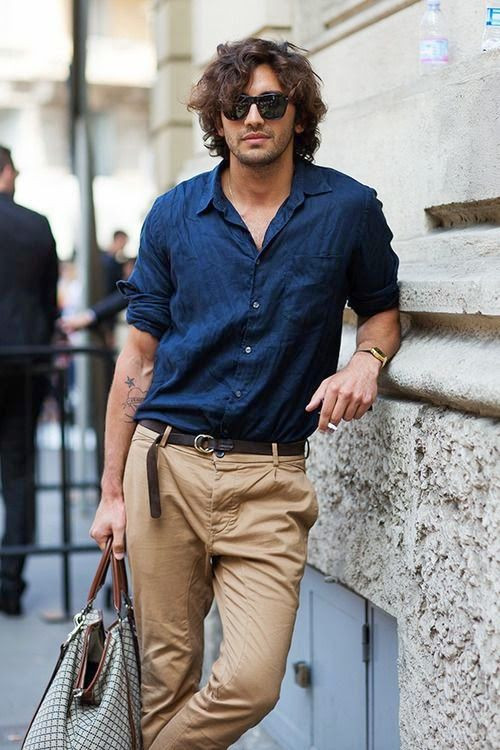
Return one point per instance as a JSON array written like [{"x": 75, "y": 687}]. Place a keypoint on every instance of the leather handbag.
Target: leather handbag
[{"x": 92, "y": 700}]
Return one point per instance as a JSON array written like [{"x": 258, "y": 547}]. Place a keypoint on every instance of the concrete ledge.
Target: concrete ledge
[
  {"x": 469, "y": 286},
  {"x": 452, "y": 245},
  {"x": 350, "y": 16},
  {"x": 448, "y": 368}
]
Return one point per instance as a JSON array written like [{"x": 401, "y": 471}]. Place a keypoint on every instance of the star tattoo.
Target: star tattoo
[{"x": 130, "y": 381}]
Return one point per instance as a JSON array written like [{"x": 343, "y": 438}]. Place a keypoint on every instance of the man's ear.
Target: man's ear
[
  {"x": 299, "y": 128},
  {"x": 219, "y": 126}
]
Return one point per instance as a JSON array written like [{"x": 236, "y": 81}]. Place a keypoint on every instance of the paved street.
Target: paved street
[{"x": 29, "y": 645}]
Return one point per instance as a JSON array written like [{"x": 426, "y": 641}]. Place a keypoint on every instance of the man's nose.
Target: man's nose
[{"x": 253, "y": 116}]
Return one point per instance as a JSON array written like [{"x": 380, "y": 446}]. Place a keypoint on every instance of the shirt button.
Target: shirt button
[
  {"x": 237, "y": 394},
  {"x": 248, "y": 349},
  {"x": 256, "y": 304}
]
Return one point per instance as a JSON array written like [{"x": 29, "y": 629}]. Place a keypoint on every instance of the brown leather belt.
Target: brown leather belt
[{"x": 204, "y": 444}]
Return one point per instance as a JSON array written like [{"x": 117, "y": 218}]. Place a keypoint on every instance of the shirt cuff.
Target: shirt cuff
[{"x": 366, "y": 305}]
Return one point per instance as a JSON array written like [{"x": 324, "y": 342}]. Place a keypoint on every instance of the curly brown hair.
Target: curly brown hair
[{"x": 228, "y": 74}]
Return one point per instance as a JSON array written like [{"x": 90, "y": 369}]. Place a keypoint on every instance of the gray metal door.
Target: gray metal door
[
  {"x": 383, "y": 691},
  {"x": 338, "y": 669},
  {"x": 340, "y": 689}
]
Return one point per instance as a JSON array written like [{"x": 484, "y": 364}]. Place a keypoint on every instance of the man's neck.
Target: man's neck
[{"x": 260, "y": 186}]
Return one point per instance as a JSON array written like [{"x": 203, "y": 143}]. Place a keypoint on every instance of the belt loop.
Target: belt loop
[
  {"x": 165, "y": 436},
  {"x": 276, "y": 459}
]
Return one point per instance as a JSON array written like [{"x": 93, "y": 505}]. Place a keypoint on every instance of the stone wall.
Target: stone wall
[{"x": 409, "y": 518}]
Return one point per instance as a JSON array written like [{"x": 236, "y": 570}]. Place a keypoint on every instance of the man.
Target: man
[
  {"x": 112, "y": 268},
  {"x": 28, "y": 309},
  {"x": 103, "y": 310},
  {"x": 110, "y": 259},
  {"x": 235, "y": 306}
]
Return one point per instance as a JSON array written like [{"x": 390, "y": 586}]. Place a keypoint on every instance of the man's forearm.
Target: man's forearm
[
  {"x": 382, "y": 330},
  {"x": 131, "y": 383},
  {"x": 133, "y": 374},
  {"x": 349, "y": 393}
]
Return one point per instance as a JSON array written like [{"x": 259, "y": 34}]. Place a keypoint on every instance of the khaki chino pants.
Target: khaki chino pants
[{"x": 235, "y": 527}]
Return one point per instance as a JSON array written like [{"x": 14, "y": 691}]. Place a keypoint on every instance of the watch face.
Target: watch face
[{"x": 379, "y": 354}]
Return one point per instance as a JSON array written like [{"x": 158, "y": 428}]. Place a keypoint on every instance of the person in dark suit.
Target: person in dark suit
[
  {"x": 111, "y": 265},
  {"x": 112, "y": 269},
  {"x": 102, "y": 311},
  {"x": 28, "y": 310}
]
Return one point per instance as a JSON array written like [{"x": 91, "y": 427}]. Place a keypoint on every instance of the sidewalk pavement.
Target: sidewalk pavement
[{"x": 29, "y": 645}]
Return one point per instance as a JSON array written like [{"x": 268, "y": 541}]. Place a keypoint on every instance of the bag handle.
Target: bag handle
[
  {"x": 118, "y": 575},
  {"x": 120, "y": 584}
]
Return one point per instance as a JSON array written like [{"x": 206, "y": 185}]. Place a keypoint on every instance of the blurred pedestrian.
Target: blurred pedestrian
[
  {"x": 112, "y": 262},
  {"x": 104, "y": 309},
  {"x": 28, "y": 309}
]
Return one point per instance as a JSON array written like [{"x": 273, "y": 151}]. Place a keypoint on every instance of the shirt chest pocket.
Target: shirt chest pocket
[{"x": 312, "y": 285}]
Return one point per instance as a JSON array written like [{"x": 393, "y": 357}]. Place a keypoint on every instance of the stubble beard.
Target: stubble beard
[{"x": 262, "y": 158}]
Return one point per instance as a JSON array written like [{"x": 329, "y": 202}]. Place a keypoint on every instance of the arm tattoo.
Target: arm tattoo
[{"x": 135, "y": 397}]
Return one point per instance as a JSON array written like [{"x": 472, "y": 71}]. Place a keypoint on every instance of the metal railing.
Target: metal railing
[{"x": 57, "y": 363}]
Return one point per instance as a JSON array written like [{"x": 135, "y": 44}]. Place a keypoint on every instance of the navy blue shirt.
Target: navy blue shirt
[{"x": 245, "y": 337}]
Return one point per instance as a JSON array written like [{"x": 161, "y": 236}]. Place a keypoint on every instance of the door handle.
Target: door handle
[{"x": 302, "y": 672}]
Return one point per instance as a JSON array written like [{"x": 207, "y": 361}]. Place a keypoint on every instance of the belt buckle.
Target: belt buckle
[{"x": 197, "y": 443}]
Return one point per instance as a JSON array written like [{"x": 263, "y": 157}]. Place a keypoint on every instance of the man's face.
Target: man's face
[
  {"x": 119, "y": 243},
  {"x": 8, "y": 179},
  {"x": 253, "y": 140}
]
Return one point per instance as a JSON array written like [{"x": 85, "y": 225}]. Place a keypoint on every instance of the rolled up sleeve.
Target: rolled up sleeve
[
  {"x": 149, "y": 288},
  {"x": 373, "y": 285}
]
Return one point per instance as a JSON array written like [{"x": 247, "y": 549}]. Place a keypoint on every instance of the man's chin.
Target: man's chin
[{"x": 257, "y": 157}]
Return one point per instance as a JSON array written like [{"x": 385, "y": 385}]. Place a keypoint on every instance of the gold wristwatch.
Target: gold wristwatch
[{"x": 377, "y": 353}]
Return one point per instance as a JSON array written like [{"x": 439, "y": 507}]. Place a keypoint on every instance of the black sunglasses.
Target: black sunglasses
[{"x": 270, "y": 106}]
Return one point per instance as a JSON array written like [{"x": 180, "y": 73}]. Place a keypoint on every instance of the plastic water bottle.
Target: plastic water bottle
[
  {"x": 433, "y": 38},
  {"x": 491, "y": 36}
]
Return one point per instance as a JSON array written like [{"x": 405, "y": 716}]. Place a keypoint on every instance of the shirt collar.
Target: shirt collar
[
  {"x": 308, "y": 179},
  {"x": 212, "y": 189}
]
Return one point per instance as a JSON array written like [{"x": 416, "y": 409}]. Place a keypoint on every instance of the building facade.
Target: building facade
[
  {"x": 35, "y": 55},
  {"x": 408, "y": 494}
]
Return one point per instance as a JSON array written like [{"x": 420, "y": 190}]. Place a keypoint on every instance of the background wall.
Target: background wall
[
  {"x": 408, "y": 493},
  {"x": 35, "y": 54}
]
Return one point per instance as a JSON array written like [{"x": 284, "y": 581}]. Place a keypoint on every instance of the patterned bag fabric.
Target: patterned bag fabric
[{"x": 92, "y": 701}]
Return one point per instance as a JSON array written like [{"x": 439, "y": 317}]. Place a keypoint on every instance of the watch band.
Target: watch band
[{"x": 377, "y": 353}]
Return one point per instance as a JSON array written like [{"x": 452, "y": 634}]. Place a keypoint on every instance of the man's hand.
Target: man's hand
[
  {"x": 71, "y": 323},
  {"x": 349, "y": 393},
  {"x": 110, "y": 521}
]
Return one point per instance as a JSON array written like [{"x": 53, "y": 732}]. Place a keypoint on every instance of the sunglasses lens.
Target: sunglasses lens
[
  {"x": 238, "y": 110},
  {"x": 241, "y": 108},
  {"x": 270, "y": 106}
]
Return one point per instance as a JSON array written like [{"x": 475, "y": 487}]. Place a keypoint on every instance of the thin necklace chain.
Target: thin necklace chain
[{"x": 229, "y": 186}]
